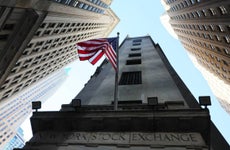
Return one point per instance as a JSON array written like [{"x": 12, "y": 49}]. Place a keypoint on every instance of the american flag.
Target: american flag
[{"x": 93, "y": 50}]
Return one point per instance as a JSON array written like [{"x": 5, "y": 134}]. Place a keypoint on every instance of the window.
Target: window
[
  {"x": 135, "y": 44},
  {"x": 133, "y": 62},
  {"x": 128, "y": 78},
  {"x": 81, "y": 5},
  {"x": 226, "y": 51},
  {"x": 3, "y": 37},
  {"x": 8, "y": 27},
  {"x": 227, "y": 39},
  {"x": 135, "y": 49},
  {"x": 213, "y": 11},
  {"x": 225, "y": 62},
  {"x": 223, "y": 10},
  {"x": 137, "y": 40},
  {"x": 135, "y": 55}
]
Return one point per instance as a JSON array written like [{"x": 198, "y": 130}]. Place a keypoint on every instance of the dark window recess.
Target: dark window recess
[
  {"x": 128, "y": 102},
  {"x": 135, "y": 44},
  {"x": 137, "y": 40},
  {"x": 130, "y": 78},
  {"x": 135, "y": 55},
  {"x": 8, "y": 27},
  {"x": 135, "y": 49},
  {"x": 133, "y": 62},
  {"x": 3, "y": 37}
]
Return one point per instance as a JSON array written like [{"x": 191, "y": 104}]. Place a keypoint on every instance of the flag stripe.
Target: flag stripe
[
  {"x": 93, "y": 50},
  {"x": 96, "y": 57},
  {"x": 110, "y": 56}
]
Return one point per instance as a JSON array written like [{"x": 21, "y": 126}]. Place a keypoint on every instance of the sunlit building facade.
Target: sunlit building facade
[
  {"x": 15, "y": 110},
  {"x": 17, "y": 141},
  {"x": 203, "y": 28},
  {"x": 38, "y": 37}
]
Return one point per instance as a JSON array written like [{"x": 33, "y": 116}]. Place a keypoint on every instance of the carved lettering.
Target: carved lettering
[
  {"x": 149, "y": 137},
  {"x": 122, "y": 137},
  {"x": 106, "y": 136},
  {"x": 157, "y": 137},
  {"x": 141, "y": 137},
  {"x": 136, "y": 138},
  {"x": 175, "y": 137},
  {"x": 166, "y": 138},
  {"x": 193, "y": 138},
  {"x": 184, "y": 137},
  {"x": 93, "y": 136}
]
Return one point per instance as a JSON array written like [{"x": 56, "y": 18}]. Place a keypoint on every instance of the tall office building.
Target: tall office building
[
  {"x": 15, "y": 110},
  {"x": 155, "y": 109},
  {"x": 16, "y": 142},
  {"x": 203, "y": 28},
  {"x": 38, "y": 37}
]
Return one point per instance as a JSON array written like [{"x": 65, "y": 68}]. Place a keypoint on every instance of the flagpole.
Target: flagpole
[{"x": 116, "y": 76}]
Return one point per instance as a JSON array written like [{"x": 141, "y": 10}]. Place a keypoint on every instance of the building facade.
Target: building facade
[
  {"x": 155, "y": 109},
  {"x": 17, "y": 141},
  {"x": 39, "y": 37},
  {"x": 203, "y": 29},
  {"x": 15, "y": 110}
]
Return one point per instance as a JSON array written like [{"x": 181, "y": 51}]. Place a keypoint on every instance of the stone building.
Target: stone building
[
  {"x": 155, "y": 109},
  {"x": 16, "y": 109},
  {"x": 37, "y": 39},
  {"x": 203, "y": 28}
]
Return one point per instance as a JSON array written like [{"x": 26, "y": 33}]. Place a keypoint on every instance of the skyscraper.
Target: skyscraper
[
  {"x": 39, "y": 37},
  {"x": 155, "y": 109},
  {"x": 203, "y": 29},
  {"x": 15, "y": 110},
  {"x": 16, "y": 142}
]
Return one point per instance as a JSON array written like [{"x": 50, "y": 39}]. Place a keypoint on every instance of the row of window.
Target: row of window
[
  {"x": 41, "y": 58},
  {"x": 204, "y": 12},
  {"x": 54, "y": 25},
  {"x": 75, "y": 2},
  {"x": 47, "y": 29},
  {"x": 213, "y": 62},
  {"x": 198, "y": 14},
  {"x": 32, "y": 95},
  {"x": 32, "y": 71},
  {"x": 204, "y": 27},
  {"x": 183, "y": 4},
  {"x": 134, "y": 77},
  {"x": 81, "y": 5},
  {"x": 208, "y": 37},
  {"x": 53, "y": 56},
  {"x": 207, "y": 45},
  {"x": 25, "y": 96},
  {"x": 37, "y": 76},
  {"x": 99, "y": 3}
]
